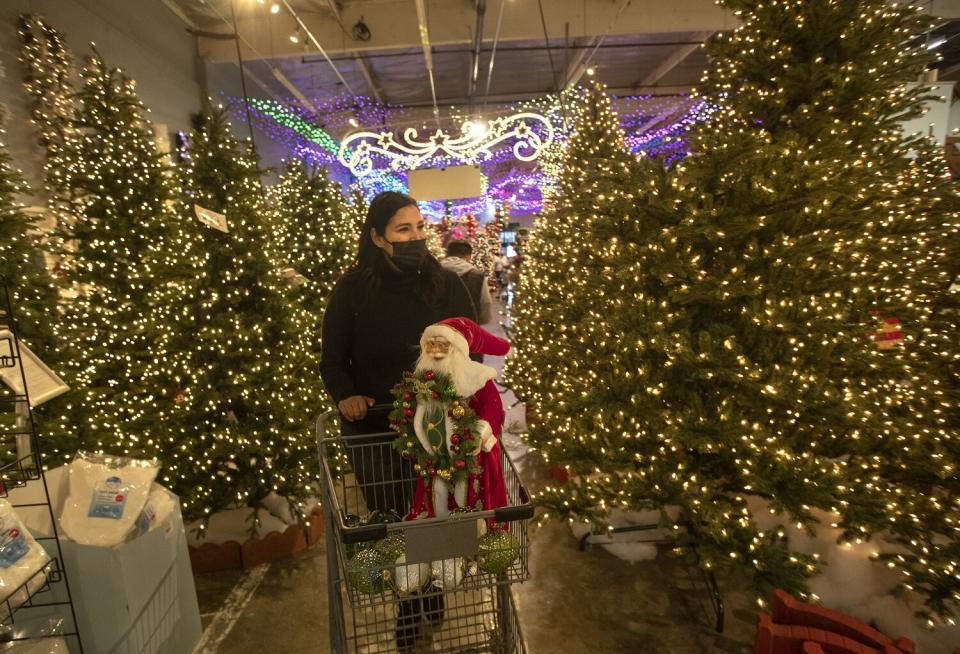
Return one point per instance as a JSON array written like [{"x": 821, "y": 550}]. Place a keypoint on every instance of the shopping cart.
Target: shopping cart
[{"x": 367, "y": 592}]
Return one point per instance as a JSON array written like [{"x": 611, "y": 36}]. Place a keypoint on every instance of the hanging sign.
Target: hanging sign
[
  {"x": 211, "y": 218},
  {"x": 452, "y": 183},
  {"x": 292, "y": 277},
  {"x": 42, "y": 383}
]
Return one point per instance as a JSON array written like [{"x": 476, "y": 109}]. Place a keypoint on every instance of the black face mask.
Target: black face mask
[{"x": 409, "y": 255}]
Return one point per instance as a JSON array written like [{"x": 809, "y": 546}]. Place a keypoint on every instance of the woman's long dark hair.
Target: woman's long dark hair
[{"x": 373, "y": 264}]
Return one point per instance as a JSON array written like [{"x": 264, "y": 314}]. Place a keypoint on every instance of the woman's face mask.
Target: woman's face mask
[{"x": 409, "y": 255}]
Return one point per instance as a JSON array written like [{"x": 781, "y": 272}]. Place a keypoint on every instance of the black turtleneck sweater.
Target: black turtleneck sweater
[{"x": 367, "y": 345}]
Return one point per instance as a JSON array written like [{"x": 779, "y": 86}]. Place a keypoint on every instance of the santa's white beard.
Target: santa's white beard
[{"x": 467, "y": 375}]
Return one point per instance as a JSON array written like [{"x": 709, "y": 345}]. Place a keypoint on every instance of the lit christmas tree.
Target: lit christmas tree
[
  {"x": 22, "y": 264},
  {"x": 921, "y": 307},
  {"x": 48, "y": 67},
  {"x": 111, "y": 196},
  {"x": 236, "y": 384},
  {"x": 731, "y": 308},
  {"x": 314, "y": 233},
  {"x": 48, "y": 71}
]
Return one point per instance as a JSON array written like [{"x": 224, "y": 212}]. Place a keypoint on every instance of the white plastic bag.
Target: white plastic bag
[
  {"x": 160, "y": 505},
  {"x": 41, "y": 646},
  {"x": 22, "y": 561},
  {"x": 106, "y": 497}
]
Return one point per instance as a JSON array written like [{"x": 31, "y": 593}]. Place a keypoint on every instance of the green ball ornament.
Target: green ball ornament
[
  {"x": 369, "y": 571},
  {"x": 351, "y": 520},
  {"x": 380, "y": 516},
  {"x": 496, "y": 552},
  {"x": 397, "y": 404},
  {"x": 393, "y": 546},
  {"x": 450, "y": 392}
]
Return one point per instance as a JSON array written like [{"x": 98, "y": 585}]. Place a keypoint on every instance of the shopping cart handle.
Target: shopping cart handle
[
  {"x": 376, "y": 531},
  {"x": 513, "y": 513}
]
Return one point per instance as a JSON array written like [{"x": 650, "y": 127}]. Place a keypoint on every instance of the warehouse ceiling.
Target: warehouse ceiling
[{"x": 467, "y": 53}]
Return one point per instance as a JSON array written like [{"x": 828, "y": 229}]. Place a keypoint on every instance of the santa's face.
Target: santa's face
[
  {"x": 437, "y": 348},
  {"x": 439, "y": 355}
]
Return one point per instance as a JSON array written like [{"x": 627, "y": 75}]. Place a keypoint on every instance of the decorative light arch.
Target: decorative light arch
[{"x": 472, "y": 146}]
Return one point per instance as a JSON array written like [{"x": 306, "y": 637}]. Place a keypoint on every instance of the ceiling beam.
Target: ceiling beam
[
  {"x": 294, "y": 91},
  {"x": 517, "y": 97},
  {"x": 673, "y": 60},
  {"x": 357, "y": 57},
  {"x": 576, "y": 68},
  {"x": 475, "y": 54},
  {"x": 393, "y": 26},
  {"x": 427, "y": 50},
  {"x": 244, "y": 69}
]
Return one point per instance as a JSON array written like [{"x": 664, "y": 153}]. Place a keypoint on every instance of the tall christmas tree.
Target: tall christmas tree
[
  {"x": 111, "y": 196},
  {"x": 48, "y": 68},
  {"x": 23, "y": 265},
  {"x": 736, "y": 342},
  {"x": 24, "y": 275},
  {"x": 921, "y": 312},
  {"x": 235, "y": 384},
  {"x": 314, "y": 233},
  {"x": 48, "y": 72}
]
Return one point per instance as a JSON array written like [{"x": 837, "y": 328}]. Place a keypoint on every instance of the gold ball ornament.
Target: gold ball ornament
[{"x": 457, "y": 411}]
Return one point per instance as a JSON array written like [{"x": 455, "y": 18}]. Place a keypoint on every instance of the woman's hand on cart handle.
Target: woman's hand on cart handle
[{"x": 355, "y": 407}]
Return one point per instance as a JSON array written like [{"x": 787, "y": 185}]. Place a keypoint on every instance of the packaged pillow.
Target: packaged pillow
[
  {"x": 106, "y": 497},
  {"x": 160, "y": 505},
  {"x": 40, "y": 646},
  {"x": 22, "y": 561}
]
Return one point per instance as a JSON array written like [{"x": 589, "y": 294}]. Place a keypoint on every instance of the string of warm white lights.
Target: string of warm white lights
[{"x": 714, "y": 350}]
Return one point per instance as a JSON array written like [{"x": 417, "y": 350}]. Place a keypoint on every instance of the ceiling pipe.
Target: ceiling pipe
[
  {"x": 316, "y": 43},
  {"x": 427, "y": 50},
  {"x": 475, "y": 57},
  {"x": 493, "y": 52}
]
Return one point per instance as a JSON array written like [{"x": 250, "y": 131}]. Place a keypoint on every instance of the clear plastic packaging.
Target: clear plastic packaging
[
  {"x": 23, "y": 562},
  {"x": 160, "y": 505},
  {"x": 41, "y": 646},
  {"x": 106, "y": 496}
]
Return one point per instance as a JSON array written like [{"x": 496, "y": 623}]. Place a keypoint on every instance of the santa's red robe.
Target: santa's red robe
[{"x": 491, "y": 489}]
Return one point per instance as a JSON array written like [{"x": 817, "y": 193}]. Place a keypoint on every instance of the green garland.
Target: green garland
[{"x": 454, "y": 466}]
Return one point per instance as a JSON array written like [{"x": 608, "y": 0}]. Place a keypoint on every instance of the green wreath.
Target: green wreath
[{"x": 451, "y": 466}]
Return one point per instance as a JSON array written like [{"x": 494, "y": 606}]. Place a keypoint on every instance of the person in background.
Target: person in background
[
  {"x": 500, "y": 265},
  {"x": 458, "y": 261},
  {"x": 371, "y": 336}
]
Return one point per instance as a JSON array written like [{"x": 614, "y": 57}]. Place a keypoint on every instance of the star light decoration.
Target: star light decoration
[{"x": 473, "y": 145}]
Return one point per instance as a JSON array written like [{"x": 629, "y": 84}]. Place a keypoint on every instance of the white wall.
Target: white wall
[
  {"x": 142, "y": 37},
  {"x": 937, "y": 120}
]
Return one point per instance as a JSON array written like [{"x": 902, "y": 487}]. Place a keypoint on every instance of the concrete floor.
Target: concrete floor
[{"x": 575, "y": 602}]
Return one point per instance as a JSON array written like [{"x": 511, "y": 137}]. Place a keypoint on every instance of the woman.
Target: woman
[{"x": 371, "y": 335}]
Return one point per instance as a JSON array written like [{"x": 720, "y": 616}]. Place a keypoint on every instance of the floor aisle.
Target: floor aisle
[{"x": 576, "y": 602}]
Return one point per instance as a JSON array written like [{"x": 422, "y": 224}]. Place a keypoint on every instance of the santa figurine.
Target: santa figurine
[{"x": 445, "y": 349}]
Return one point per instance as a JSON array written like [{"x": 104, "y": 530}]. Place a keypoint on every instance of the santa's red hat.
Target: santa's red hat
[{"x": 467, "y": 336}]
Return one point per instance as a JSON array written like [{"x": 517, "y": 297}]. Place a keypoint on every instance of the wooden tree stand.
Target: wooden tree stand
[{"x": 232, "y": 555}]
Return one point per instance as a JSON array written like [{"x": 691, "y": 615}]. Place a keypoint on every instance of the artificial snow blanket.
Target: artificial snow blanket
[
  {"x": 106, "y": 497},
  {"x": 22, "y": 561}
]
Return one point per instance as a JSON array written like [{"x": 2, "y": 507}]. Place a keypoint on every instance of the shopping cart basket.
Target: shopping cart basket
[{"x": 368, "y": 584}]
